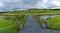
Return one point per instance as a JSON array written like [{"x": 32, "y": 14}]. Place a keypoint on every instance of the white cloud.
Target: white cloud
[
  {"x": 55, "y": 2},
  {"x": 41, "y": 4},
  {"x": 48, "y": 4},
  {"x": 44, "y": 1},
  {"x": 24, "y": 4},
  {"x": 1, "y": 4}
]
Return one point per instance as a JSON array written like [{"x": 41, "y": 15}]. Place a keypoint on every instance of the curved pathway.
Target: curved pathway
[{"x": 32, "y": 26}]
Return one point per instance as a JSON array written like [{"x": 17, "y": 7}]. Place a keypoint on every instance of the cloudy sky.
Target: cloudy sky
[{"x": 25, "y": 4}]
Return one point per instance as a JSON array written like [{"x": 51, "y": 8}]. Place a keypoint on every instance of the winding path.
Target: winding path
[{"x": 32, "y": 26}]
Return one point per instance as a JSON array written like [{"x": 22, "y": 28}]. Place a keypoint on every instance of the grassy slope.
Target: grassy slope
[
  {"x": 5, "y": 23},
  {"x": 7, "y": 26},
  {"x": 54, "y": 23}
]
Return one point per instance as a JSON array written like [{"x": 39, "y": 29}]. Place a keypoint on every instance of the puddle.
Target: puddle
[{"x": 44, "y": 17}]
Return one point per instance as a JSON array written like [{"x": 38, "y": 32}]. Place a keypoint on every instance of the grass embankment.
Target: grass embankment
[
  {"x": 54, "y": 23},
  {"x": 7, "y": 26}
]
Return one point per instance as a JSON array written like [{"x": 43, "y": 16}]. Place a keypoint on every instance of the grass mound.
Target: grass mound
[
  {"x": 54, "y": 23},
  {"x": 7, "y": 26}
]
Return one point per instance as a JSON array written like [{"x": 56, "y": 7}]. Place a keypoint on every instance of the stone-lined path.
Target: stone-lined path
[{"x": 32, "y": 26}]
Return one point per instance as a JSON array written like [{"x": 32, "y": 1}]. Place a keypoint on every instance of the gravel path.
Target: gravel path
[{"x": 32, "y": 26}]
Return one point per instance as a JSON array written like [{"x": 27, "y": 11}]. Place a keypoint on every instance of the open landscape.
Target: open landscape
[
  {"x": 12, "y": 21},
  {"x": 47, "y": 18},
  {"x": 16, "y": 20},
  {"x": 29, "y": 16}
]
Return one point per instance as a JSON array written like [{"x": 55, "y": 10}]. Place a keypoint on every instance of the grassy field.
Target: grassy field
[
  {"x": 40, "y": 12},
  {"x": 16, "y": 12}
]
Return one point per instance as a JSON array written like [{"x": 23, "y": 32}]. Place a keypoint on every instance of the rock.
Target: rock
[
  {"x": 20, "y": 26},
  {"x": 45, "y": 25}
]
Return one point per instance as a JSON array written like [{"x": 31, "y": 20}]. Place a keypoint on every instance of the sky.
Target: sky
[{"x": 26, "y": 4}]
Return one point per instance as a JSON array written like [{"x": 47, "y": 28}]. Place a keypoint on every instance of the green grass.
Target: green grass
[
  {"x": 35, "y": 13},
  {"x": 8, "y": 23},
  {"x": 54, "y": 23},
  {"x": 22, "y": 21},
  {"x": 40, "y": 21},
  {"x": 7, "y": 26},
  {"x": 18, "y": 12},
  {"x": 40, "y": 12},
  {"x": 5, "y": 23},
  {"x": 16, "y": 15},
  {"x": 17, "y": 18}
]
